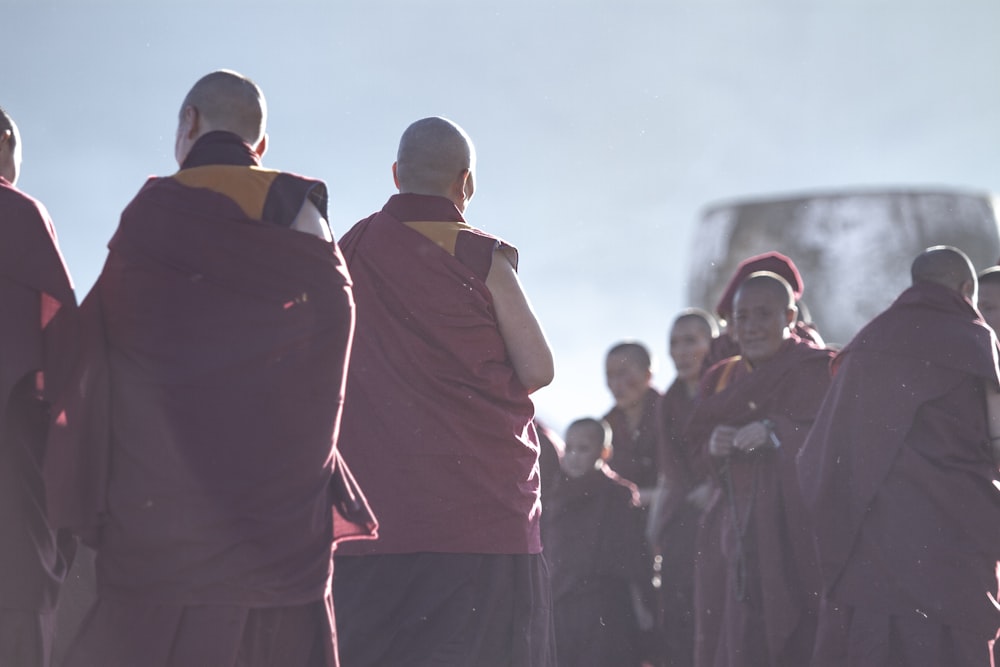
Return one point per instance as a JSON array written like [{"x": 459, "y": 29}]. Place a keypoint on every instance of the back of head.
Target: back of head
[
  {"x": 947, "y": 266},
  {"x": 433, "y": 153},
  {"x": 10, "y": 148},
  {"x": 228, "y": 101}
]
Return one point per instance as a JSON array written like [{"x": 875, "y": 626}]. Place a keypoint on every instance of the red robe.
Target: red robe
[
  {"x": 437, "y": 426},
  {"x": 679, "y": 521},
  {"x": 199, "y": 455},
  {"x": 37, "y": 350},
  {"x": 899, "y": 480},
  {"x": 592, "y": 536},
  {"x": 768, "y": 604}
]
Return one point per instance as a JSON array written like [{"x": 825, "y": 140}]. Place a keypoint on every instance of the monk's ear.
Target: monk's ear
[
  {"x": 462, "y": 189},
  {"x": 261, "y": 146},
  {"x": 790, "y": 315},
  {"x": 395, "y": 176},
  {"x": 5, "y": 137}
]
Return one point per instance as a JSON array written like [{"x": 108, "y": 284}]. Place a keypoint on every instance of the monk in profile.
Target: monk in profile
[
  {"x": 37, "y": 348},
  {"x": 438, "y": 426},
  {"x": 199, "y": 457},
  {"x": 900, "y": 474},
  {"x": 752, "y": 416}
]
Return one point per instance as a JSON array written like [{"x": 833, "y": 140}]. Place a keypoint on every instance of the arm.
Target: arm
[
  {"x": 310, "y": 221},
  {"x": 522, "y": 334}
]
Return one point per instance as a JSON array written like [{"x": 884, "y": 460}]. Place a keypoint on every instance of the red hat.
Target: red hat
[{"x": 774, "y": 262}]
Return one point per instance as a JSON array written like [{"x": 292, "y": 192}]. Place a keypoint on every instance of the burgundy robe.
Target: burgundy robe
[
  {"x": 437, "y": 427},
  {"x": 37, "y": 350},
  {"x": 899, "y": 479},
  {"x": 679, "y": 520},
  {"x": 769, "y": 601},
  {"x": 592, "y": 535},
  {"x": 199, "y": 454}
]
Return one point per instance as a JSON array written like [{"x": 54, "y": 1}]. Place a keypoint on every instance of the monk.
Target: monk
[
  {"x": 725, "y": 346},
  {"x": 753, "y": 414},
  {"x": 199, "y": 457},
  {"x": 438, "y": 425},
  {"x": 592, "y": 538},
  {"x": 900, "y": 474},
  {"x": 634, "y": 455},
  {"x": 37, "y": 348},
  {"x": 683, "y": 492}
]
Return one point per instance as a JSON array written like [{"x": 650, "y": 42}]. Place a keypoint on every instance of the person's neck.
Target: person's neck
[{"x": 691, "y": 387}]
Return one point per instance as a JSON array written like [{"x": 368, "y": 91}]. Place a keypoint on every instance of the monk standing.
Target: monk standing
[
  {"x": 684, "y": 490},
  {"x": 37, "y": 346},
  {"x": 754, "y": 412},
  {"x": 438, "y": 427},
  {"x": 899, "y": 478},
  {"x": 200, "y": 459},
  {"x": 635, "y": 457}
]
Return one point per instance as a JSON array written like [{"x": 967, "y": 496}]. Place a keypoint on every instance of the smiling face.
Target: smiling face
[
  {"x": 628, "y": 380},
  {"x": 584, "y": 448},
  {"x": 762, "y": 318}
]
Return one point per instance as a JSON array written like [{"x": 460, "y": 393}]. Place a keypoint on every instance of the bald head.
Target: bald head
[
  {"x": 10, "y": 148},
  {"x": 700, "y": 318},
  {"x": 222, "y": 100},
  {"x": 436, "y": 157},
  {"x": 772, "y": 284},
  {"x": 947, "y": 266}
]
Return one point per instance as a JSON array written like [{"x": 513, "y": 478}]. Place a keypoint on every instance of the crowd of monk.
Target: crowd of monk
[{"x": 292, "y": 450}]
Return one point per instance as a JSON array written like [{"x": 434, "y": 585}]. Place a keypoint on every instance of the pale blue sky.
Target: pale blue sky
[{"x": 602, "y": 127}]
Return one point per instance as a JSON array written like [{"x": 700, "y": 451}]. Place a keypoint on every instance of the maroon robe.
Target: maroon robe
[
  {"x": 899, "y": 479},
  {"x": 437, "y": 427},
  {"x": 634, "y": 450},
  {"x": 440, "y": 433},
  {"x": 199, "y": 455},
  {"x": 679, "y": 520},
  {"x": 769, "y": 602},
  {"x": 37, "y": 350},
  {"x": 592, "y": 536}
]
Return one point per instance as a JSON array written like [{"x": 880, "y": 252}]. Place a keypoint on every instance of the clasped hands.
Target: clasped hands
[{"x": 727, "y": 439}]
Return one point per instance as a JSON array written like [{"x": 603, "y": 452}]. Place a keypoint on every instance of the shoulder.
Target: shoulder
[{"x": 20, "y": 204}]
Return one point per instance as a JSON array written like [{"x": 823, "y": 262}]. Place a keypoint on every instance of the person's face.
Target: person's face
[
  {"x": 583, "y": 450},
  {"x": 627, "y": 380},
  {"x": 989, "y": 304},
  {"x": 10, "y": 155},
  {"x": 761, "y": 320},
  {"x": 689, "y": 343}
]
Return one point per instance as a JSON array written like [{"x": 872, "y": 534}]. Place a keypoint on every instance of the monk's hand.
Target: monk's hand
[
  {"x": 752, "y": 436},
  {"x": 721, "y": 442}
]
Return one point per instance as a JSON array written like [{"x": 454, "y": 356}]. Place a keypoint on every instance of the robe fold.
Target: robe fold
[
  {"x": 771, "y": 594},
  {"x": 37, "y": 351},
  {"x": 592, "y": 535},
  {"x": 197, "y": 452},
  {"x": 898, "y": 476}
]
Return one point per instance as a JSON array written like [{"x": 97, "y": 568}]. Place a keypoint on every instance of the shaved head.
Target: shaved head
[
  {"x": 634, "y": 351},
  {"x": 771, "y": 283},
  {"x": 10, "y": 148},
  {"x": 944, "y": 265},
  {"x": 598, "y": 430},
  {"x": 701, "y": 317},
  {"x": 226, "y": 100},
  {"x": 433, "y": 155}
]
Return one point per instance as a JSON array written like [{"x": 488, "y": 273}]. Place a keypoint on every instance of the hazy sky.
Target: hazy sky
[{"x": 602, "y": 127}]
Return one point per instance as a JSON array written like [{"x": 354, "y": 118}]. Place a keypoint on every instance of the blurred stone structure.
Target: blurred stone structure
[{"x": 853, "y": 248}]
